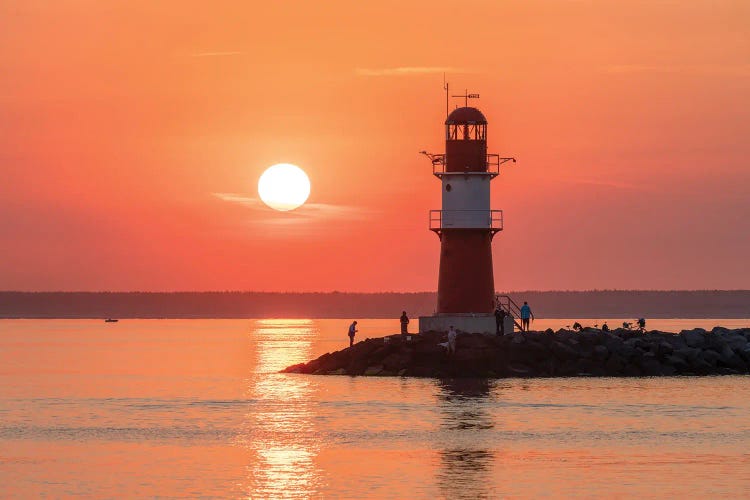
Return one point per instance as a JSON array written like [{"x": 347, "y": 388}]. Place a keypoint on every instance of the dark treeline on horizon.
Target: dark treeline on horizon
[{"x": 551, "y": 304}]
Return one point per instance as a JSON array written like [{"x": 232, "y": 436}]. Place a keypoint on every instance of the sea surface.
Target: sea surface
[{"x": 197, "y": 408}]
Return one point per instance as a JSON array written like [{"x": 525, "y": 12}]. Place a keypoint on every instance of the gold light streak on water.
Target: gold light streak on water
[{"x": 280, "y": 431}]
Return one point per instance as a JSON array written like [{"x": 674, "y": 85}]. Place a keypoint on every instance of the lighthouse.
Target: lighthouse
[{"x": 465, "y": 225}]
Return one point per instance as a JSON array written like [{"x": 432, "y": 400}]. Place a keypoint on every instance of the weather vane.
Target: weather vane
[{"x": 466, "y": 97}]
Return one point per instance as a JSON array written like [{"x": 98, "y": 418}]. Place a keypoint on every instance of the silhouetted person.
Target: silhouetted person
[
  {"x": 526, "y": 314},
  {"x": 499, "y": 320},
  {"x": 605, "y": 328},
  {"x": 352, "y": 333},
  {"x": 404, "y": 323},
  {"x": 641, "y": 324},
  {"x": 452, "y": 334}
]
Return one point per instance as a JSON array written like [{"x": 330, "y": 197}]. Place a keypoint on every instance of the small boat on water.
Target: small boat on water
[{"x": 111, "y": 320}]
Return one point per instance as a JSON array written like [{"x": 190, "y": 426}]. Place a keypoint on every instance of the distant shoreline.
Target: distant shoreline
[{"x": 694, "y": 304}]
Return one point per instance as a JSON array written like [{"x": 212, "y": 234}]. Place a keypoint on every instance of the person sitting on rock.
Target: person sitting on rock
[
  {"x": 641, "y": 324},
  {"x": 404, "y": 323},
  {"x": 525, "y": 315},
  {"x": 452, "y": 334},
  {"x": 352, "y": 332},
  {"x": 605, "y": 328}
]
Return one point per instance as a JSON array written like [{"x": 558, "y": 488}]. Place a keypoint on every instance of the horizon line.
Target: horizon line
[{"x": 331, "y": 292}]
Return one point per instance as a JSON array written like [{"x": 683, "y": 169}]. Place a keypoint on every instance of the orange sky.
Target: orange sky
[{"x": 125, "y": 125}]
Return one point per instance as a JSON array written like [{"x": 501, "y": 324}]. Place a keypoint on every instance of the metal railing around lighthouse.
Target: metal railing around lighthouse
[
  {"x": 466, "y": 219},
  {"x": 493, "y": 165}
]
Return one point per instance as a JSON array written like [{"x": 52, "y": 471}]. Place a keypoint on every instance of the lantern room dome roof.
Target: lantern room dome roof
[{"x": 465, "y": 115}]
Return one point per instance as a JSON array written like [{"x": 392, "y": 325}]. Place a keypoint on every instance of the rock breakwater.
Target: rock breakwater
[{"x": 564, "y": 353}]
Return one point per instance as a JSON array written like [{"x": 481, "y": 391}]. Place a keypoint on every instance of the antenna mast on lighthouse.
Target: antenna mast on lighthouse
[{"x": 445, "y": 87}]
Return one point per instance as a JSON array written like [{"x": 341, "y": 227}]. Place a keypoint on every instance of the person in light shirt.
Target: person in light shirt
[{"x": 452, "y": 334}]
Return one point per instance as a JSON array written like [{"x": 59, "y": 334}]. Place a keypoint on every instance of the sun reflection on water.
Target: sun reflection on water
[{"x": 280, "y": 429}]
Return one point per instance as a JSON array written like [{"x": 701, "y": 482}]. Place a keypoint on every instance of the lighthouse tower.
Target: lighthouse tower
[{"x": 465, "y": 225}]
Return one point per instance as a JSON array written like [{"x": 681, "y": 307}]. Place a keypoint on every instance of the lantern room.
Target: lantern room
[{"x": 466, "y": 141}]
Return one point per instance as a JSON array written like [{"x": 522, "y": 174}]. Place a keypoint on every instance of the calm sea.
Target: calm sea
[{"x": 196, "y": 408}]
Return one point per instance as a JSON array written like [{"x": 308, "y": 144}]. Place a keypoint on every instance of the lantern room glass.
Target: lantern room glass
[{"x": 466, "y": 132}]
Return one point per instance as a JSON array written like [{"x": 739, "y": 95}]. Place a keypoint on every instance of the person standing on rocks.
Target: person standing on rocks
[
  {"x": 452, "y": 334},
  {"x": 499, "y": 320},
  {"x": 352, "y": 332},
  {"x": 526, "y": 314},
  {"x": 404, "y": 323}
]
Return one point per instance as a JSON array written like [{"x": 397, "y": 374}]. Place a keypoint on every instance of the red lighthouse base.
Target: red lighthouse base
[{"x": 466, "y": 284}]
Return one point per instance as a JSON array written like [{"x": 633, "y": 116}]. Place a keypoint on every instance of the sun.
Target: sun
[{"x": 284, "y": 187}]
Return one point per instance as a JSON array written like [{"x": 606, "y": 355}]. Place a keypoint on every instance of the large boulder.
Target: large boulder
[
  {"x": 398, "y": 360},
  {"x": 422, "y": 371},
  {"x": 518, "y": 338},
  {"x": 564, "y": 352},
  {"x": 735, "y": 341},
  {"x": 710, "y": 357},
  {"x": 688, "y": 353},
  {"x": 373, "y": 370},
  {"x": 614, "y": 365},
  {"x": 731, "y": 360},
  {"x": 600, "y": 352},
  {"x": 695, "y": 337},
  {"x": 469, "y": 363},
  {"x": 332, "y": 361},
  {"x": 628, "y": 350},
  {"x": 534, "y": 351},
  {"x": 664, "y": 348},
  {"x": 679, "y": 363},
  {"x": 519, "y": 370},
  {"x": 472, "y": 341},
  {"x": 649, "y": 364},
  {"x": 613, "y": 343}
]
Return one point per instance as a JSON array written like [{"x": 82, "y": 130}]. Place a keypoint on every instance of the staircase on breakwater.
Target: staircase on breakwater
[{"x": 511, "y": 309}]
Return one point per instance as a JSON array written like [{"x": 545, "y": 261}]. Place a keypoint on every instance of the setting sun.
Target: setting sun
[{"x": 284, "y": 187}]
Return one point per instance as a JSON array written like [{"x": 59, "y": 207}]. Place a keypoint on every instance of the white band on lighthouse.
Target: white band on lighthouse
[{"x": 466, "y": 201}]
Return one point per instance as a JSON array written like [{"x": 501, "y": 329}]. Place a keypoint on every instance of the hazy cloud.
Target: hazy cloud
[
  {"x": 705, "y": 69},
  {"x": 408, "y": 70},
  {"x": 305, "y": 213},
  {"x": 238, "y": 198},
  {"x": 612, "y": 184},
  {"x": 215, "y": 54}
]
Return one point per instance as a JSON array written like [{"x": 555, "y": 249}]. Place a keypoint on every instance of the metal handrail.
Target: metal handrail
[
  {"x": 438, "y": 219},
  {"x": 493, "y": 163},
  {"x": 496, "y": 160},
  {"x": 510, "y": 307},
  {"x": 494, "y": 220}
]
